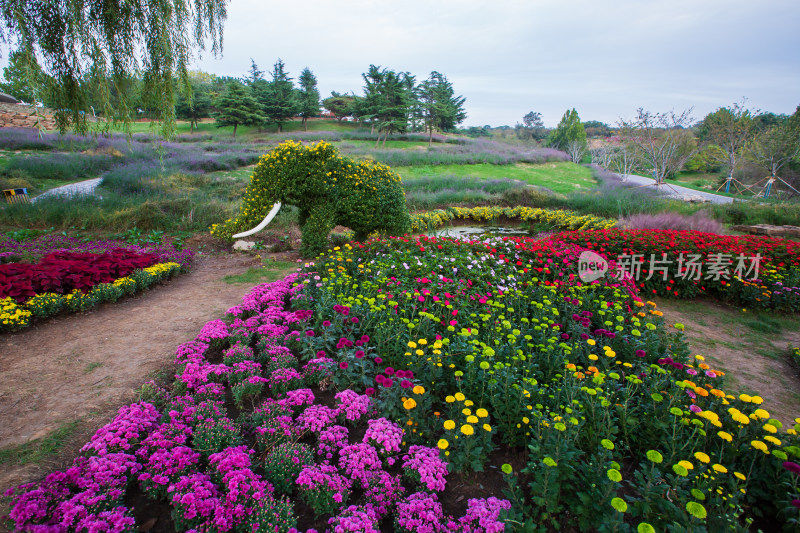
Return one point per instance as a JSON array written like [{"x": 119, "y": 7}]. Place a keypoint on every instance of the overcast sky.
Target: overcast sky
[{"x": 606, "y": 58}]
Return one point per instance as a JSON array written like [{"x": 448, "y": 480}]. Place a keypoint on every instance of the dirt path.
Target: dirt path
[
  {"x": 755, "y": 360},
  {"x": 84, "y": 367}
]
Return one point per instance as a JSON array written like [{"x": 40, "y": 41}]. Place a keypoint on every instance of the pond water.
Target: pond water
[{"x": 476, "y": 232}]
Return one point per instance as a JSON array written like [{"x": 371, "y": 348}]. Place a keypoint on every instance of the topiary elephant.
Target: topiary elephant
[{"x": 328, "y": 190}]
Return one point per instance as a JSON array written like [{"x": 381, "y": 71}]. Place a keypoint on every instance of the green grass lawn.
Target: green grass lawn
[
  {"x": 560, "y": 177},
  {"x": 401, "y": 145},
  {"x": 210, "y": 127},
  {"x": 242, "y": 174}
]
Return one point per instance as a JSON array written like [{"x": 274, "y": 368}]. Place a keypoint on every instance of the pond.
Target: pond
[{"x": 477, "y": 232}]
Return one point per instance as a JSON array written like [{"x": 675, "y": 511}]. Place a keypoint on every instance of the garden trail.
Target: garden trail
[
  {"x": 84, "y": 367},
  {"x": 754, "y": 364},
  {"x": 676, "y": 191},
  {"x": 86, "y": 187}
]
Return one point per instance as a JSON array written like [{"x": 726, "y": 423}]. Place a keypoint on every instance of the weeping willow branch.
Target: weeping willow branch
[{"x": 92, "y": 49}]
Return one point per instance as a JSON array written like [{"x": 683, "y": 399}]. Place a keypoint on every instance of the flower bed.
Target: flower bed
[
  {"x": 14, "y": 315},
  {"x": 185, "y": 449},
  {"x": 619, "y": 425},
  {"x": 445, "y": 357},
  {"x": 723, "y": 265},
  {"x": 555, "y": 218},
  {"x": 32, "y": 250},
  {"x": 64, "y": 272},
  {"x": 73, "y": 275}
]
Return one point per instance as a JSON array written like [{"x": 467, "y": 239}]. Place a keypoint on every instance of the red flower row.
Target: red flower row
[
  {"x": 778, "y": 252},
  {"x": 63, "y": 272}
]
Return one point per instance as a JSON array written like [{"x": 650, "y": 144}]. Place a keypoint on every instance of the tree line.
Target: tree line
[
  {"x": 392, "y": 102},
  {"x": 664, "y": 144}
]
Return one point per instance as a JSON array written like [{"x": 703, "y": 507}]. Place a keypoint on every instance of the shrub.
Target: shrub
[{"x": 328, "y": 189}]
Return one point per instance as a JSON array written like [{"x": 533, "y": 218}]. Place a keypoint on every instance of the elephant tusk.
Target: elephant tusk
[{"x": 267, "y": 220}]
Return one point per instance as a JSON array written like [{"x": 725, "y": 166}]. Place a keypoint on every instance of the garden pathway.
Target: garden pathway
[
  {"x": 83, "y": 367},
  {"x": 86, "y": 187},
  {"x": 676, "y": 191}
]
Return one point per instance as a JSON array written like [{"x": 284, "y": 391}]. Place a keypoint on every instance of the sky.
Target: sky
[{"x": 606, "y": 58}]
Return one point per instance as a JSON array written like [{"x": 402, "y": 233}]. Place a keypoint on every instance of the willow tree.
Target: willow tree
[{"x": 91, "y": 48}]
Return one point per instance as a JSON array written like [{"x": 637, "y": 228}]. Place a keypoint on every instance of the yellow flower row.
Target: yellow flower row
[
  {"x": 15, "y": 316},
  {"x": 556, "y": 218}
]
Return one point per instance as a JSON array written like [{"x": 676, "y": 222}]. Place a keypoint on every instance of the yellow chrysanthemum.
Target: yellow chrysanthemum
[
  {"x": 702, "y": 457},
  {"x": 449, "y": 424},
  {"x": 466, "y": 429},
  {"x": 724, "y": 435}
]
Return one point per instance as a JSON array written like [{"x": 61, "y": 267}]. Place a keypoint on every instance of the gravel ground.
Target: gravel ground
[{"x": 73, "y": 189}]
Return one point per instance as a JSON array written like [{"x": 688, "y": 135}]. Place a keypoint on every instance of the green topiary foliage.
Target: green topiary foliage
[{"x": 329, "y": 190}]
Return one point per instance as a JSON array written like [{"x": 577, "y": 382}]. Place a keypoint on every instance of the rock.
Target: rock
[
  {"x": 244, "y": 245},
  {"x": 767, "y": 229},
  {"x": 694, "y": 199}
]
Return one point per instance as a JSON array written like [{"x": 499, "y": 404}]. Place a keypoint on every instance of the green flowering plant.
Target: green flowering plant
[
  {"x": 328, "y": 189},
  {"x": 284, "y": 462}
]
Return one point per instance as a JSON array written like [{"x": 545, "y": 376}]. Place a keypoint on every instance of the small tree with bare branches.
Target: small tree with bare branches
[
  {"x": 730, "y": 128},
  {"x": 661, "y": 140}
]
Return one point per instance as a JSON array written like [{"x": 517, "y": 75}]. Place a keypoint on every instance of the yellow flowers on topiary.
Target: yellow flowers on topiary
[{"x": 328, "y": 190}]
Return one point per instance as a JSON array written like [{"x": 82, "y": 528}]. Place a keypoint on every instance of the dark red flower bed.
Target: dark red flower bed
[{"x": 63, "y": 272}]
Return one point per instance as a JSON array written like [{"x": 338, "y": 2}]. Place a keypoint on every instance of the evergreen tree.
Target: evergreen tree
[
  {"x": 368, "y": 107},
  {"x": 236, "y": 106},
  {"x": 255, "y": 75},
  {"x": 440, "y": 108},
  {"x": 532, "y": 127},
  {"x": 389, "y": 101},
  {"x": 308, "y": 96},
  {"x": 194, "y": 105},
  {"x": 279, "y": 99}
]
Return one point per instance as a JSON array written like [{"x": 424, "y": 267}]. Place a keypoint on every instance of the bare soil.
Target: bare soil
[
  {"x": 85, "y": 366},
  {"x": 754, "y": 363}
]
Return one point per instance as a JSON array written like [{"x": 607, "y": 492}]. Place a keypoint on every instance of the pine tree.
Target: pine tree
[
  {"x": 197, "y": 104},
  {"x": 308, "y": 96},
  {"x": 439, "y": 106},
  {"x": 236, "y": 106},
  {"x": 279, "y": 100},
  {"x": 255, "y": 75}
]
